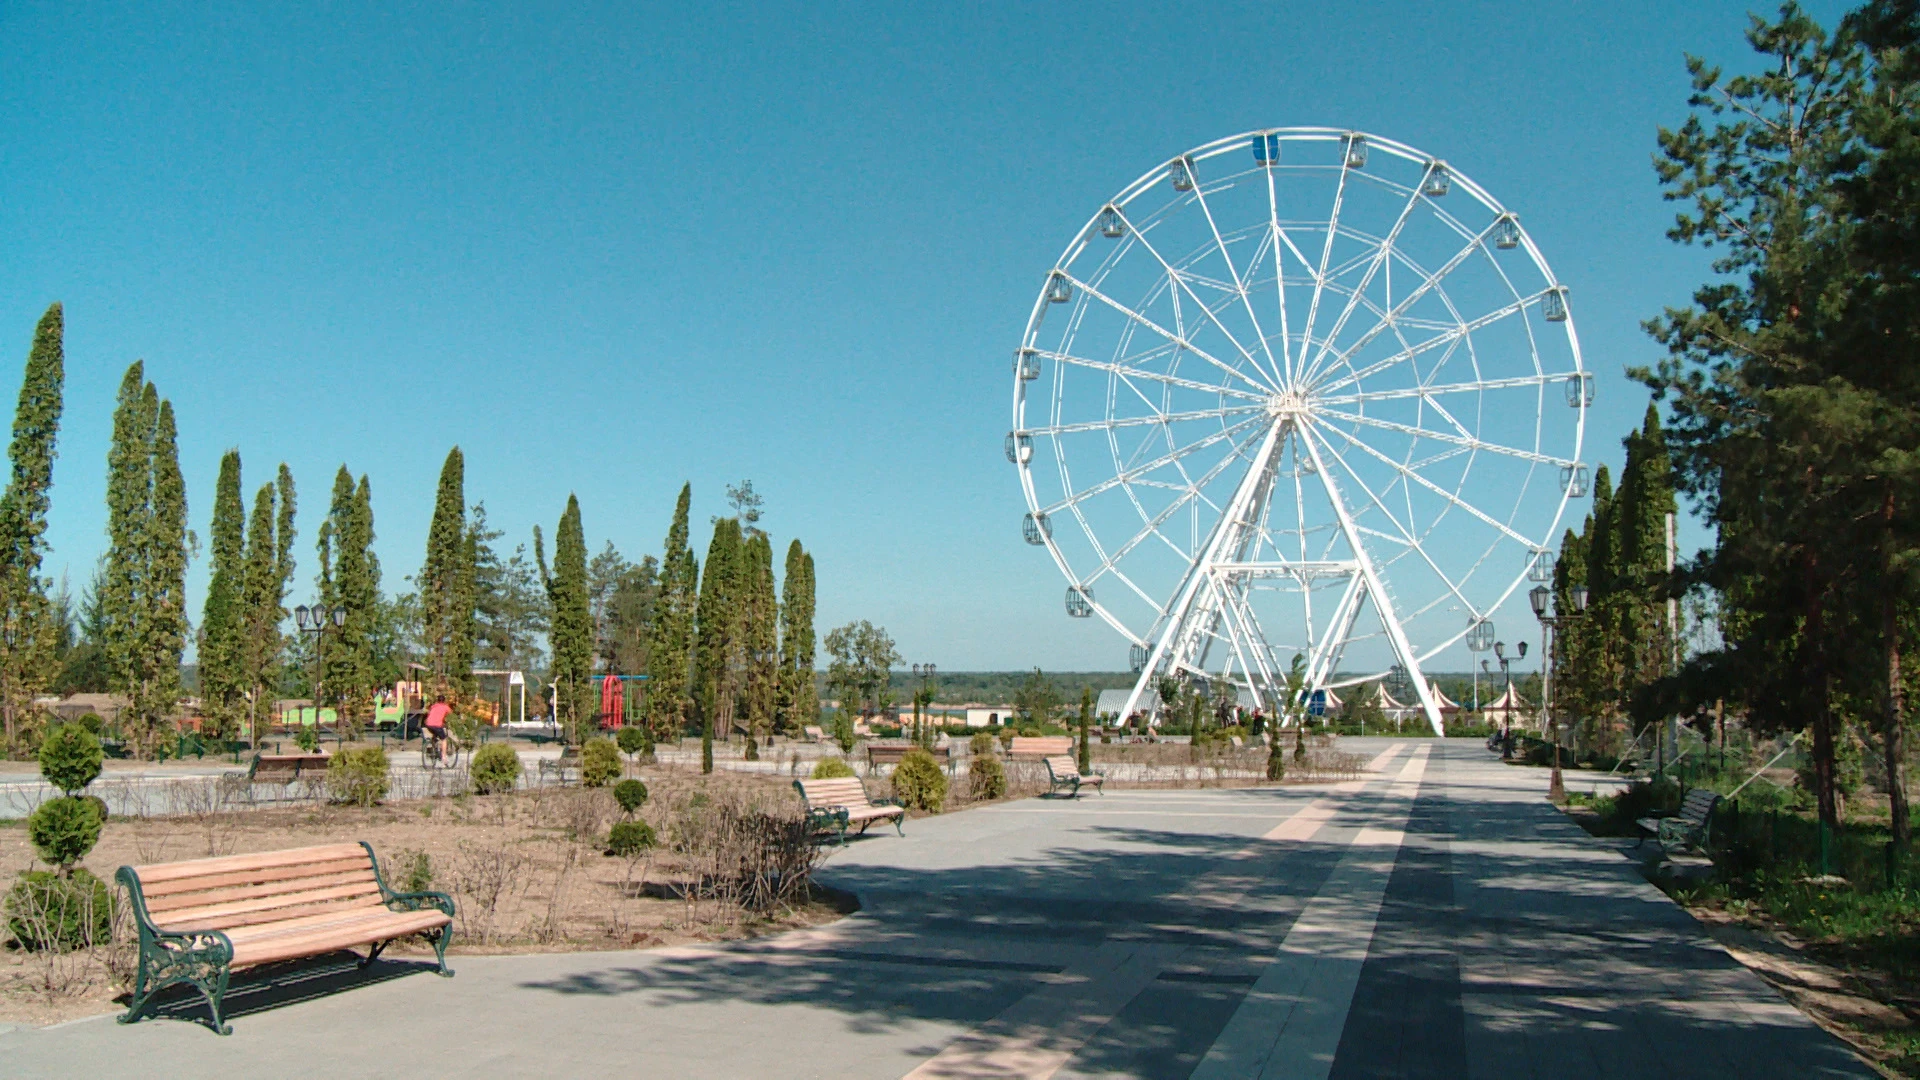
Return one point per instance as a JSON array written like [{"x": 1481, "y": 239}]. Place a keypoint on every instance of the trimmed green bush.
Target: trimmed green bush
[
  {"x": 307, "y": 739},
  {"x": 919, "y": 783},
  {"x": 495, "y": 768},
  {"x": 832, "y": 769},
  {"x": 986, "y": 778},
  {"x": 981, "y": 743},
  {"x": 63, "y": 830},
  {"x": 70, "y": 757},
  {"x": 629, "y": 838},
  {"x": 630, "y": 794},
  {"x": 600, "y": 763},
  {"x": 633, "y": 740},
  {"x": 358, "y": 776},
  {"x": 50, "y": 911}
]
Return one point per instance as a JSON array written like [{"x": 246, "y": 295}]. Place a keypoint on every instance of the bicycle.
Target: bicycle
[{"x": 432, "y": 756}]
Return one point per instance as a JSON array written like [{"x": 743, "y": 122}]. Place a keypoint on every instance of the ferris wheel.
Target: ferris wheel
[{"x": 1298, "y": 391}]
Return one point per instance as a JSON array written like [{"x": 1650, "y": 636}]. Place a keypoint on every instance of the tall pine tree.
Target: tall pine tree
[
  {"x": 571, "y": 635},
  {"x": 28, "y": 630},
  {"x": 719, "y": 644},
  {"x": 156, "y": 693},
  {"x": 129, "y": 506},
  {"x": 670, "y": 648},
  {"x": 760, "y": 640},
  {"x": 447, "y": 585},
  {"x": 223, "y": 684},
  {"x": 800, "y": 701}
]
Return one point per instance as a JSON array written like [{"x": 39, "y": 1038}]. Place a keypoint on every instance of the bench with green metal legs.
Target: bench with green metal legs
[{"x": 201, "y": 920}]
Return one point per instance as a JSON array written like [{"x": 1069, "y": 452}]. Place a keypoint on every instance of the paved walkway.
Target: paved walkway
[{"x": 1438, "y": 919}]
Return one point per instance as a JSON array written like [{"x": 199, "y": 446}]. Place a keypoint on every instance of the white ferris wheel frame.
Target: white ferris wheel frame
[{"x": 1292, "y": 401}]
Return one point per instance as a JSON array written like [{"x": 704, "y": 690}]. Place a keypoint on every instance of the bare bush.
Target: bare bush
[
  {"x": 482, "y": 879},
  {"x": 743, "y": 857}
]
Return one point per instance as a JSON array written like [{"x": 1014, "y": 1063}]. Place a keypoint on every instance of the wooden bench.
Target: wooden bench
[
  {"x": 201, "y": 920},
  {"x": 835, "y": 805},
  {"x": 282, "y": 769},
  {"x": 1064, "y": 775},
  {"x": 1690, "y": 828},
  {"x": 558, "y": 768},
  {"x": 1040, "y": 746},
  {"x": 893, "y": 753},
  {"x": 813, "y": 733}
]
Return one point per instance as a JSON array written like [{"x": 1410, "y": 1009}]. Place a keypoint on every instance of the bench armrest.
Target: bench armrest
[
  {"x": 185, "y": 948},
  {"x": 884, "y": 802},
  {"x": 420, "y": 901}
]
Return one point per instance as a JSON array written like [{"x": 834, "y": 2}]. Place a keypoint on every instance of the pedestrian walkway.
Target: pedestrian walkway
[{"x": 1437, "y": 919}]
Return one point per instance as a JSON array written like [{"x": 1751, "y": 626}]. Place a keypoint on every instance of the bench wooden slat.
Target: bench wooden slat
[
  {"x": 1040, "y": 746},
  {"x": 221, "y": 864},
  {"x": 251, "y": 877},
  {"x": 341, "y": 936},
  {"x": 178, "y": 901},
  {"x": 210, "y": 915}
]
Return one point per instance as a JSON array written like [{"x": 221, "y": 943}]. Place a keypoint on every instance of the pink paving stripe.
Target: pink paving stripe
[{"x": 1305, "y": 824}]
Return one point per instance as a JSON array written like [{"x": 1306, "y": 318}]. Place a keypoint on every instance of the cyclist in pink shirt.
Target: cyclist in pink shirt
[{"x": 436, "y": 726}]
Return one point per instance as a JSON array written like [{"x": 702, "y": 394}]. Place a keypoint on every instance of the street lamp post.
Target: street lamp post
[
  {"x": 315, "y": 620},
  {"x": 1542, "y": 601},
  {"x": 1506, "y": 676}
]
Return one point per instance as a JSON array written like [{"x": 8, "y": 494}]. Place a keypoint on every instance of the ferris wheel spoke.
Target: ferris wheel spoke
[
  {"x": 1365, "y": 396},
  {"x": 1275, "y": 236},
  {"x": 1128, "y": 372},
  {"x": 1142, "y": 421},
  {"x": 1379, "y": 259},
  {"x": 1458, "y": 333},
  {"x": 1133, "y": 474},
  {"x": 1441, "y": 436},
  {"x": 1239, "y": 286},
  {"x": 1326, "y": 256},
  {"x": 1415, "y": 477},
  {"x": 1183, "y": 285},
  {"x": 1179, "y": 340},
  {"x": 1432, "y": 282},
  {"x": 1187, "y": 495},
  {"x": 1407, "y": 539}
]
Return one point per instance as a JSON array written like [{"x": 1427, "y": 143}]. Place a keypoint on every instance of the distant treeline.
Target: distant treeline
[{"x": 998, "y": 687}]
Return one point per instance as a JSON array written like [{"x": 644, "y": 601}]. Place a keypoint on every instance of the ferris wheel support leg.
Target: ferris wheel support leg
[
  {"x": 1325, "y": 656},
  {"x": 1389, "y": 619},
  {"x": 1179, "y": 630}
]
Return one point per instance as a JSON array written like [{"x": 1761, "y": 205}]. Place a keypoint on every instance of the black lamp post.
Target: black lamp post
[
  {"x": 1542, "y": 601},
  {"x": 314, "y": 620},
  {"x": 1506, "y": 676}
]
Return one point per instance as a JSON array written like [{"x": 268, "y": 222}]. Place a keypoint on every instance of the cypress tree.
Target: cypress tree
[
  {"x": 670, "y": 638},
  {"x": 571, "y": 635},
  {"x": 356, "y": 588},
  {"x": 222, "y": 678},
  {"x": 259, "y": 603},
  {"x": 446, "y": 582},
  {"x": 718, "y": 636},
  {"x": 760, "y": 640},
  {"x": 328, "y": 539},
  {"x": 156, "y": 691},
  {"x": 800, "y": 704},
  {"x": 27, "y": 628},
  {"x": 129, "y": 504}
]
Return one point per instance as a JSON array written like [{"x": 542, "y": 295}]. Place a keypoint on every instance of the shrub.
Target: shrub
[
  {"x": 981, "y": 744},
  {"x": 358, "y": 776},
  {"x": 986, "y": 778},
  {"x": 628, "y": 838},
  {"x": 832, "y": 769},
  {"x": 308, "y": 739},
  {"x": 630, "y": 794},
  {"x": 91, "y": 721},
  {"x": 495, "y": 768},
  {"x": 70, "y": 757},
  {"x": 63, "y": 830},
  {"x": 412, "y": 871},
  {"x": 633, "y": 740},
  {"x": 50, "y": 911},
  {"x": 600, "y": 763},
  {"x": 918, "y": 782}
]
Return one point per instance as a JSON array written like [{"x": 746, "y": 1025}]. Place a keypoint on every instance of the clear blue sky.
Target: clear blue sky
[{"x": 609, "y": 250}]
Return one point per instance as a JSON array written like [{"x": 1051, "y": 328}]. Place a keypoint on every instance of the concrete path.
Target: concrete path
[{"x": 1437, "y": 919}]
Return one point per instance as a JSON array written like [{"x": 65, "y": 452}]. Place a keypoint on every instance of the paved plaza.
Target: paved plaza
[{"x": 1437, "y": 919}]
